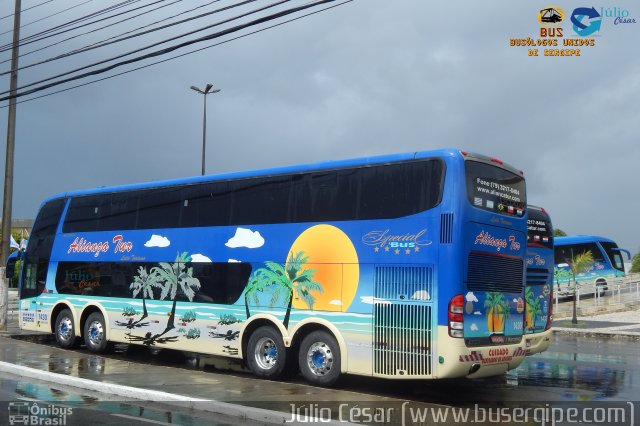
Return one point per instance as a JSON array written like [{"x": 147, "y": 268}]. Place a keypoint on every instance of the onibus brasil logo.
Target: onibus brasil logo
[{"x": 32, "y": 413}]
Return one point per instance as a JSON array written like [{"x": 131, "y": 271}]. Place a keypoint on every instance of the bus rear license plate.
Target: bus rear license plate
[{"x": 497, "y": 338}]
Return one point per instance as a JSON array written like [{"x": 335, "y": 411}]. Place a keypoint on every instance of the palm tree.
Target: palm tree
[
  {"x": 288, "y": 280},
  {"x": 493, "y": 302},
  {"x": 578, "y": 264},
  {"x": 174, "y": 276},
  {"x": 144, "y": 282},
  {"x": 257, "y": 284}
]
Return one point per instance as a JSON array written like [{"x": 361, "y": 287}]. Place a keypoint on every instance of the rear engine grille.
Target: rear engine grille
[{"x": 488, "y": 272}]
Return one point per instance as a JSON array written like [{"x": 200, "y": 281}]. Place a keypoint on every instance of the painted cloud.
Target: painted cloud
[
  {"x": 370, "y": 300},
  {"x": 200, "y": 258},
  {"x": 421, "y": 295},
  {"x": 471, "y": 297},
  {"x": 245, "y": 238},
  {"x": 474, "y": 327},
  {"x": 234, "y": 261},
  {"x": 336, "y": 302},
  {"x": 157, "y": 241}
]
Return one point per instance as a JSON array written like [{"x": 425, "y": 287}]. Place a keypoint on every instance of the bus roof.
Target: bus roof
[
  {"x": 577, "y": 239},
  {"x": 326, "y": 165}
]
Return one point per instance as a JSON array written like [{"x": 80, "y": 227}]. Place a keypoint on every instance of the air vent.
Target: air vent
[
  {"x": 537, "y": 276},
  {"x": 446, "y": 228},
  {"x": 403, "y": 322},
  {"x": 489, "y": 272}
]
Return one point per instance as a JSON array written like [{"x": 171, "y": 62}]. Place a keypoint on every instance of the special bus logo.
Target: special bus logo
[
  {"x": 80, "y": 245},
  {"x": 396, "y": 242}
]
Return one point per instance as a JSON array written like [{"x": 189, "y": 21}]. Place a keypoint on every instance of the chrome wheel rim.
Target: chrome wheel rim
[
  {"x": 320, "y": 358},
  {"x": 95, "y": 333},
  {"x": 266, "y": 353},
  {"x": 65, "y": 329}
]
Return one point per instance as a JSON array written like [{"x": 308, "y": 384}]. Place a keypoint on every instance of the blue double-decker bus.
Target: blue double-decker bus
[
  {"x": 608, "y": 263},
  {"x": 400, "y": 266},
  {"x": 539, "y": 281}
]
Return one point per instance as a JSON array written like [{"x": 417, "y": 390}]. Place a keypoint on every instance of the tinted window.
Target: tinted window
[
  {"x": 363, "y": 193},
  {"x": 495, "y": 189},
  {"x": 539, "y": 229},
  {"x": 39, "y": 247},
  {"x": 220, "y": 283},
  {"x": 614, "y": 255},
  {"x": 564, "y": 253},
  {"x": 159, "y": 208}
]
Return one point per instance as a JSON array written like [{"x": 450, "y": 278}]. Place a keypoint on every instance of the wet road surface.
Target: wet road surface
[{"x": 575, "y": 368}]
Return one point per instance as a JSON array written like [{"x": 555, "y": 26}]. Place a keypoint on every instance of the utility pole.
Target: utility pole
[
  {"x": 7, "y": 203},
  {"x": 207, "y": 90}
]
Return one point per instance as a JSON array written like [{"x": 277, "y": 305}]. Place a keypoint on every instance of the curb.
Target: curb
[
  {"x": 217, "y": 407},
  {"x": 597, "y": 334}
]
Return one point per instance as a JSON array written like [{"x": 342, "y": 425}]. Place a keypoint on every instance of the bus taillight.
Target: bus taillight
[{"x": 456, "y": 316}]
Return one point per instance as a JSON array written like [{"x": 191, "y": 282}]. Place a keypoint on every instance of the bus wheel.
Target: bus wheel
[
  {"x": 65, "y": 330},
  {"x": 95, "y": 333},
  {"x": 319, "y": 358},
  {"x": 601, "y": 286},
  {"x": 266, "y": 353}
]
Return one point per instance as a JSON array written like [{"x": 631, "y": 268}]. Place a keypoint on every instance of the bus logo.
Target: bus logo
[{"x": 551, "y": 15}]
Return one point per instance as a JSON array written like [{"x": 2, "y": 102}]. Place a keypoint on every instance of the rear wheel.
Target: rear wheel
[
  {"x": 95, "y": 333},
  {"x": 266, "y": 353},
  {"x": 319, "y": 358},
  {"x": 601, "y": 286},
  {"x": 65, "y": 330}
]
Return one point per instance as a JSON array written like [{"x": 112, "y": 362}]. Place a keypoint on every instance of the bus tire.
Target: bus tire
[
  {"x": 601, "y": 287},
  {"x": 65, "y": 330},
  {"x": 266, "y": 353},
  {"x": 95, "y": 333},
  {"x": 319, "y": 358}
]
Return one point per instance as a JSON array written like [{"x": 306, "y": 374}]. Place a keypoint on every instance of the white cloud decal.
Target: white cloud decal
[
  {"x": 245, "y": 238},
  {"x": 474, "y": 327},
  {"x": 370, "y": 300},
  {"x": 471, "y": 297},
  {"x": 336, "y": 302},
  {"x": 477, "y": 313},
  {"x": 200, "y": 258},
  {"x": 157, "y": 241},
  {"x": 234, "y": 261}
]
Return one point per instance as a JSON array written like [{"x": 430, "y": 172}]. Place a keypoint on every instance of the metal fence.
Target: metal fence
[{"x": 624, "y": 290}]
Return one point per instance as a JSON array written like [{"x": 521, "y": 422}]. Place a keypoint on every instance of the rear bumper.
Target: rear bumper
[{"x": 537, "y": 342}]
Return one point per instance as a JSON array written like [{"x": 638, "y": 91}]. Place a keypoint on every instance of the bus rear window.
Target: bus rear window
[
  {"x": 539, "y": 230},
  {"x": 495, "y": 189}
]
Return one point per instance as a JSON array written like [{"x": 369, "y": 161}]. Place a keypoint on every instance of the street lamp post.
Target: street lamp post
[{"x": 207, "y": 90}]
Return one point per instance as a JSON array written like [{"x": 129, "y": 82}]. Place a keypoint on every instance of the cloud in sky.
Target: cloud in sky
[
  {"x": 470, "y": 297},
  {"x": 157, "y": 241},
  {"x": 370, "y": 300},
  {"x": 245, "y": 238}
]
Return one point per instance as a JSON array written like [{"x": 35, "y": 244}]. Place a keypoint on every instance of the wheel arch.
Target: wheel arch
[
  {"x": 88, "y": 310},
  {"x": 255, "y": 322},
  {"x": 59, "y": 307}
]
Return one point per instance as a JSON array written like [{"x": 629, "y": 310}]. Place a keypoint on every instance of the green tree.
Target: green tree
[
  {"x": 635, "y": 265},
  {"x": 494, "y": 302},
  {"x": 578, "y": 264},
  {"x": 559, "y": 233}
]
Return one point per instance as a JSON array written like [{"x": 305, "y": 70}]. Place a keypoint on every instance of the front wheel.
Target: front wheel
[
  {"x": 266, "y": 353},
  {"x": 319, "y": 358},
  {"x": 95, "y": 333},
  {"x": 65, "y": 330}
]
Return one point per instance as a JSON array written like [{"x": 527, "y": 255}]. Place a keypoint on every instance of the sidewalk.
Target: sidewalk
[{"x": 613, "y": 324}]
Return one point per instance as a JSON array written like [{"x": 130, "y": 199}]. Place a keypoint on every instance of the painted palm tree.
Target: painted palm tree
[
  {"x": 289, "y": 280},
  {"x": 257, "y": 285},
  {"x": 176, "y": 276},
  {"x": 530, "y": 301},
  {"x": 494, "y": 303},
  {"x": 578, "y": 264},
  {"x": 144, "y": 283},
  {"x": 536, "y": 310}
]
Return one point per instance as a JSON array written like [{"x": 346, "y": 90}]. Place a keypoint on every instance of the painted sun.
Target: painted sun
[{"x": 334, "y": 258}]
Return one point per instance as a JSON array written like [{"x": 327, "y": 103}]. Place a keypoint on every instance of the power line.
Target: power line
[
  {"x": 101, "y": 28},
  {"x": 44, "y": 34},
  {"x": 24, "y": 10},
  {"x": 162, "y": 41},
  {"x": 49, "y": 16},
  {"x": 179, "y": 56}
]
